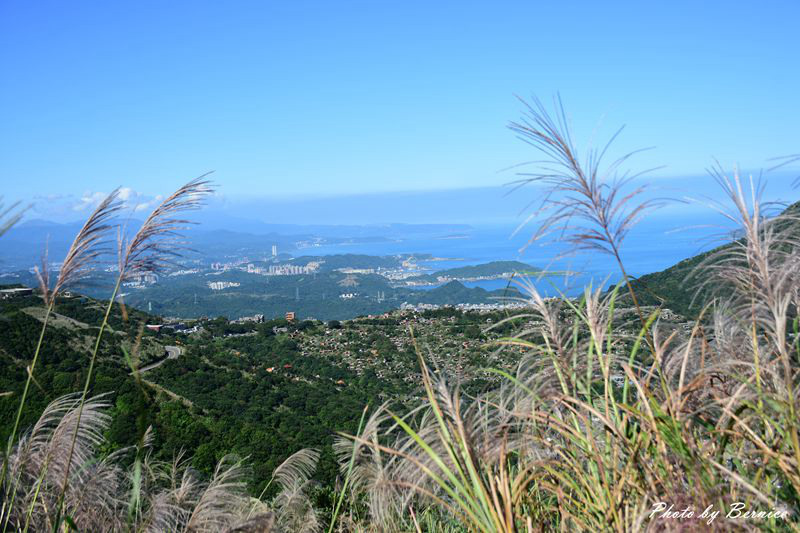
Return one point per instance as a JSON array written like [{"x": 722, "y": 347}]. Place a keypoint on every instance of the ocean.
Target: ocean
[{"x": 658, "y": 242}]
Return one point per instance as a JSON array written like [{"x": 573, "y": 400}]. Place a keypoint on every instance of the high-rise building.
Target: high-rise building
[{"x": 274, "y": 251}]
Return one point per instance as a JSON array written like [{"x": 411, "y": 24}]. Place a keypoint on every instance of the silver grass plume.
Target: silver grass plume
[
  {"x": 583, "y": 203},
  {"x": 39, "y": 461},
  {"x": 298, "y": 466},
  {"x": 373, "y": 472},
  {"x": 165, "y": 490},
  {"x": 757, "y": 278},
  {"x": 89, "y": 244},
  {"x": 220, "y": 503},
  {"x": 292, "y": 505},
  {"x": 762, "y": 267},
  {"x": 171, "y": 496},
  {"x": 158, "y": 242},
  {"x": 10, "y": 215},
  {"x": 84, "y": 251},
  {"x": 588, "y": 204},
  {"x": 149, "y": 250}
]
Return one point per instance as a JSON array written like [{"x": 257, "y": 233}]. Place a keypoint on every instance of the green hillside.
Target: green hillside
[
  {"x": 260, "y": 390},
  {"x": 493, "y": 268},
  {"x": 676, "y": 287},
  {"x": 454, "y": 293}
]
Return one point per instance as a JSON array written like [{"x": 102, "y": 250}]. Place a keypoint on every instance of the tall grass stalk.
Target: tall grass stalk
[
  {"x": 586, "y": 204},
  {"x": 84, "y": 251},
  {"x": 591, "y": 431},
  {"x": 151, "y": 248},
  {"x": 347, "y": 474},
  {"x": 10, "y": 215}
]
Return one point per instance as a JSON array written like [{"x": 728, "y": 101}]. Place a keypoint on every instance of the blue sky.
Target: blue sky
[{"x": 329, "y": 98}]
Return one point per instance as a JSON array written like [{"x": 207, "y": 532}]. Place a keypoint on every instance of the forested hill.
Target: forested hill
[
  {"x": 490, "y": 270},
  {"x": 261, "y": 390},
  {"x": 677, "y": 286},
  {"x": 62, "y": 363},
  {"x": 493, "y": 268}
]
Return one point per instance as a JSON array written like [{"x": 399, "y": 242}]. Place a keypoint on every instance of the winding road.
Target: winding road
[{"x": 173, "y": 352}]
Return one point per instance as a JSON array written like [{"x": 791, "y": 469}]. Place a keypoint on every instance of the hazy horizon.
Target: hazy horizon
[{"x": 498, "y": 205}]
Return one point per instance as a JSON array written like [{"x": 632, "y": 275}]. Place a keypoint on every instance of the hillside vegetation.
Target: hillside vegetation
[
  {"x": 688, "y": 285},
  {"x": 491, "y": 269},
  {"x": 314, "y": 295},
  {"x": 596, "y": 413}
]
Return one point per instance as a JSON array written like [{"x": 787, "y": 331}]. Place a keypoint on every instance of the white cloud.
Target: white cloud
[
  {"x": 131, "y": 199},
  {"x": 89, "y": 200},
  {"x": 147, "y": 205},
  {"x": 125, "y": 193}
]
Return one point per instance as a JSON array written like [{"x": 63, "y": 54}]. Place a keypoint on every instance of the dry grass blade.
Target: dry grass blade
[
  {"x": 785, "y": 161},
  {"x": 221, "y": 501},
  {"x": 88, "y": 245},
  {"x": 158, "y": 242},
  {"x": 588, "y": 205},
  {"x": 299, "y": 466},
  {"x": 584, "y": 202},
  {"x": 10, "y": 215},
  {"x": 292, "y": 504},
  {"x": 148, "y": 250},
  {"x": 84, "y": 251}
]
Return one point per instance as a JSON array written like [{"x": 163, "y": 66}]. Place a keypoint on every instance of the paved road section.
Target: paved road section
[{"x": 173, "y": 352}]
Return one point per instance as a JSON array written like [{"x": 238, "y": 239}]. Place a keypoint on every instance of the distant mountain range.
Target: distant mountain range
[
  {"x": 25, "y": 244},
  {"x": 332, "y": 291}
]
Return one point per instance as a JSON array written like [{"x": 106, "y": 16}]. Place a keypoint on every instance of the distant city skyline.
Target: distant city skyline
[{"x": 318, "y": 98}]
